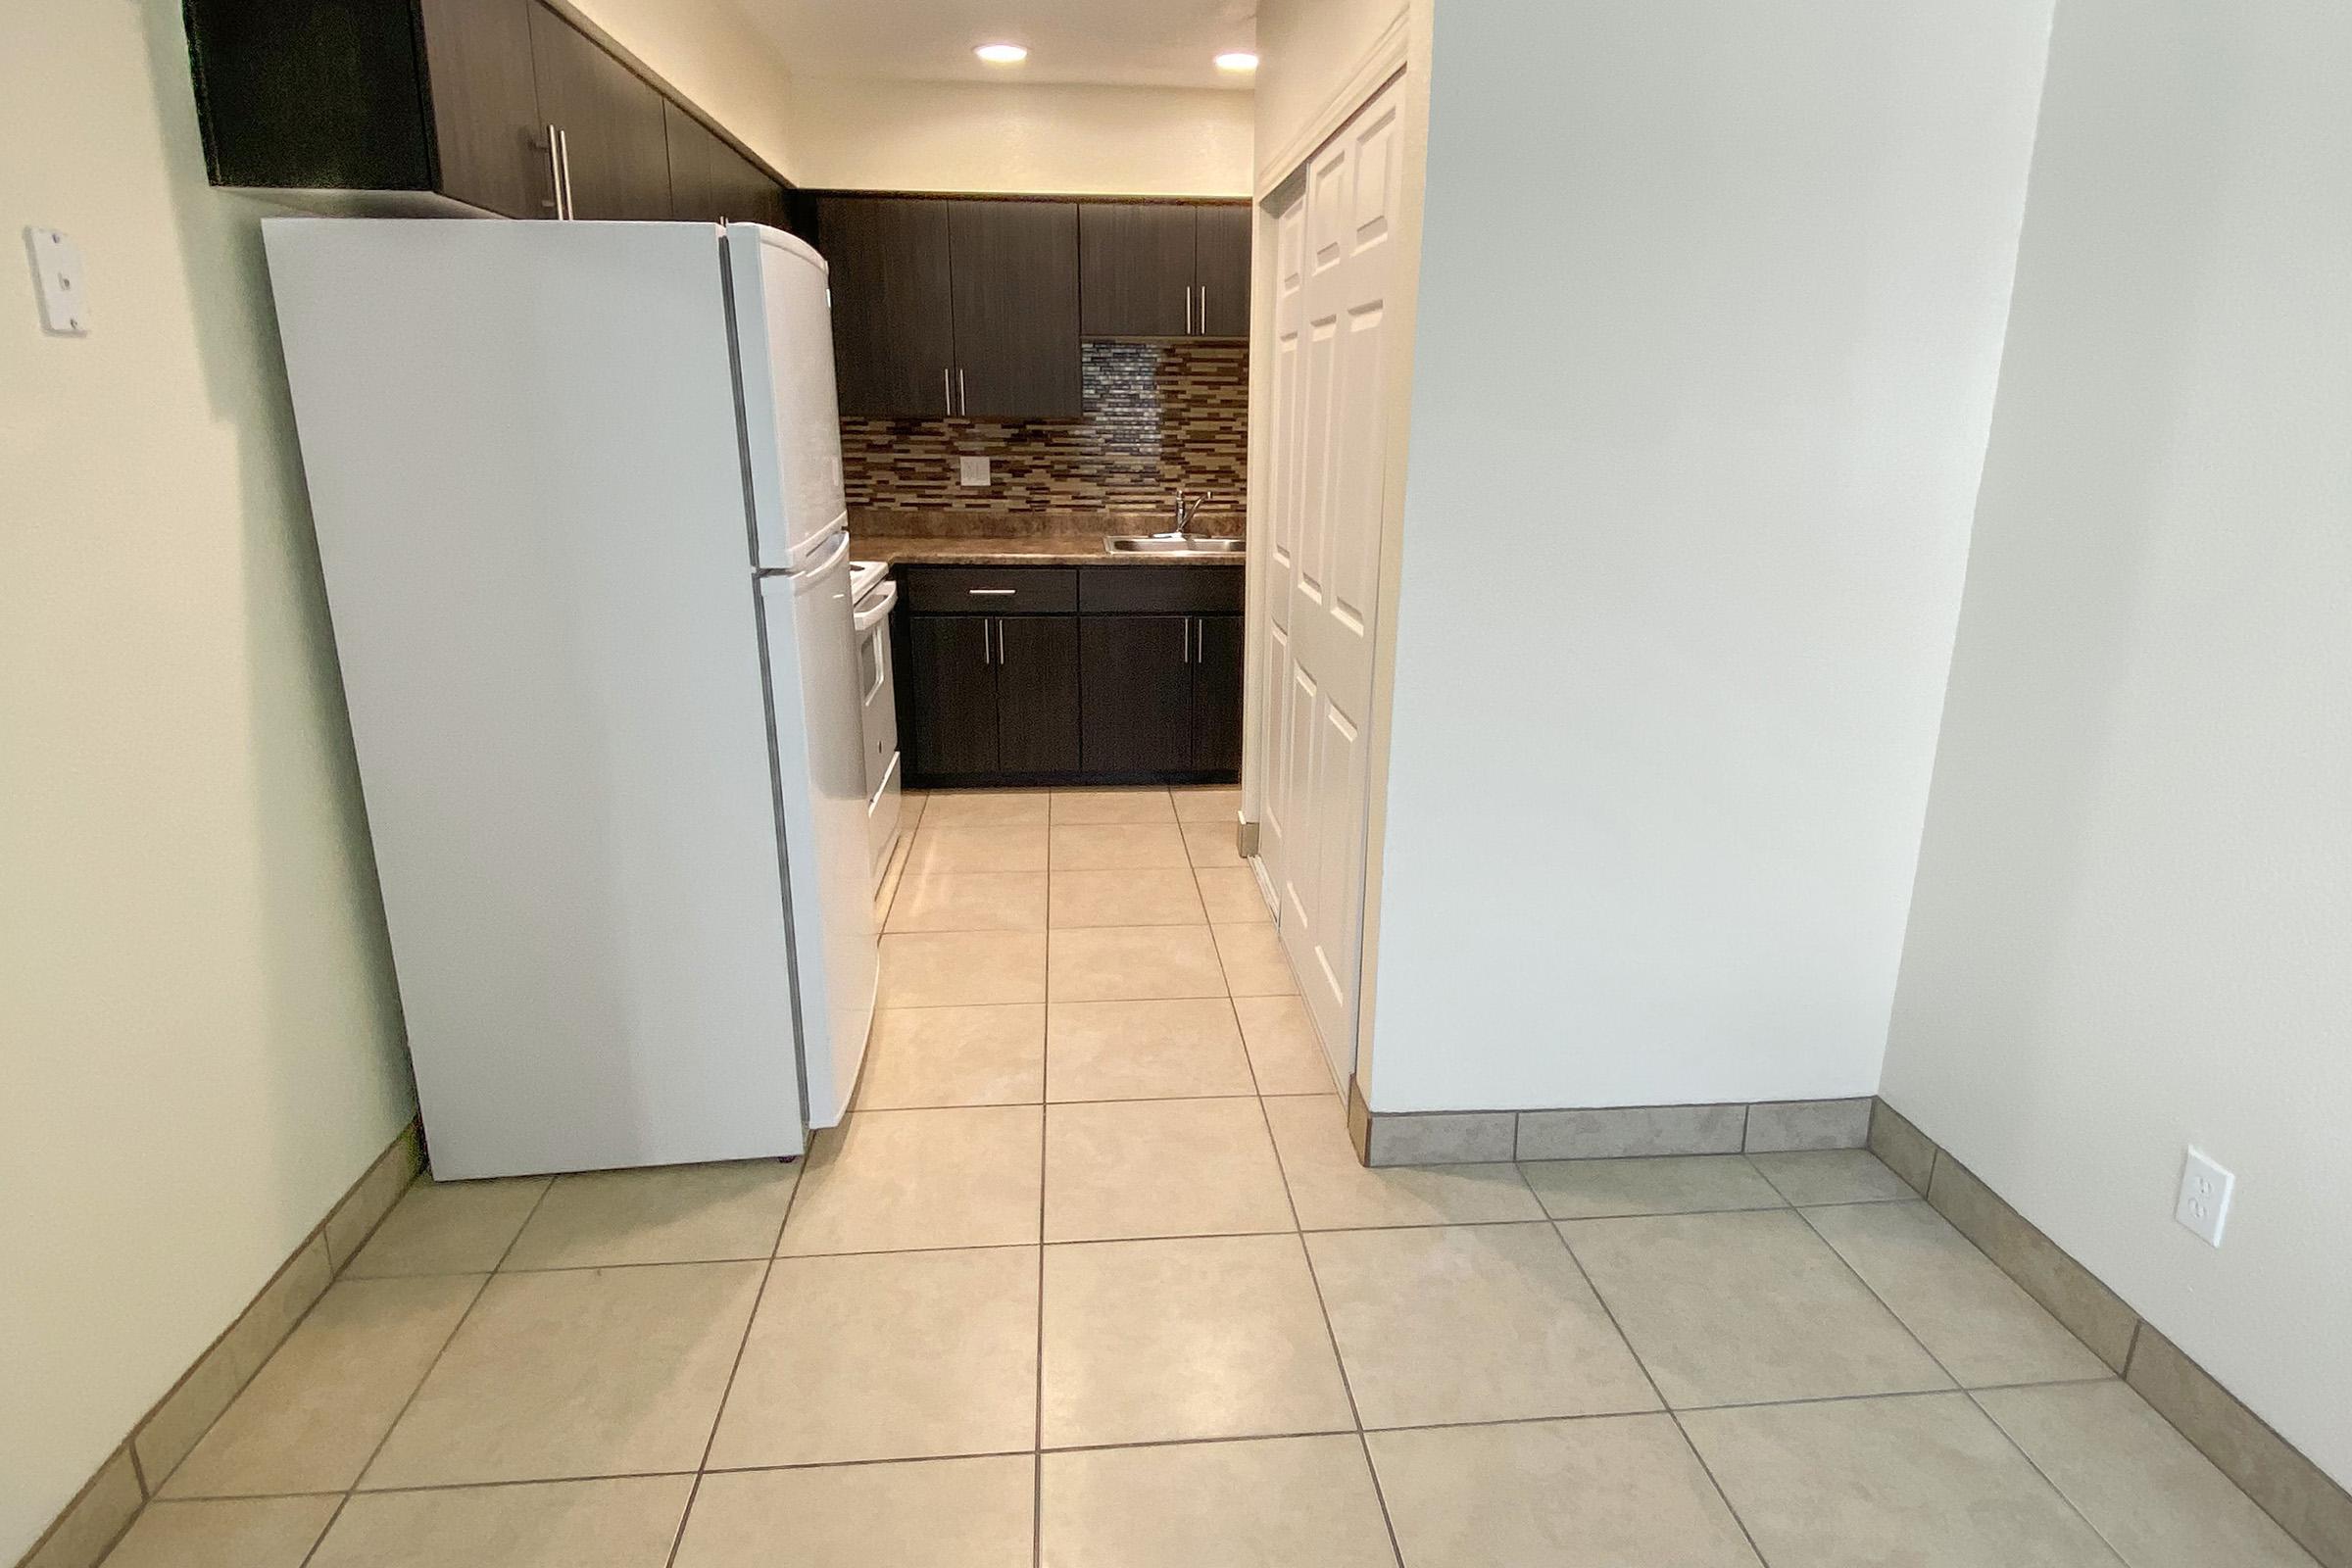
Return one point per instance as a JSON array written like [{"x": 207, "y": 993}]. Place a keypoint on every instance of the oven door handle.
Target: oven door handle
[{"x": 875, "y": 606}]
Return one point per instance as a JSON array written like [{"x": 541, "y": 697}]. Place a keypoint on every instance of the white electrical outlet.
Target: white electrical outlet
[
  {"x": 973, "y": 470},
  {"x": 2204, "y": 1206},
  {"x": 58, "y": 280}
]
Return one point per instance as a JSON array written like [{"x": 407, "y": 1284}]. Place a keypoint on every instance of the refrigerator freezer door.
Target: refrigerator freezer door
[
  {"x": 792, "y": 423},
  {"x": 821, "y": 773},
  {"x": 522, "y": 456}
]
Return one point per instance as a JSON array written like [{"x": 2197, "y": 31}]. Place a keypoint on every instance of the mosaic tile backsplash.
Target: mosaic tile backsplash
[{"x": 1157, "y": 414}]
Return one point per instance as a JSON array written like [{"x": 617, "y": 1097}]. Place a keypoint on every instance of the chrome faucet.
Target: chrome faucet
[{"x": 1188, "y": 507}]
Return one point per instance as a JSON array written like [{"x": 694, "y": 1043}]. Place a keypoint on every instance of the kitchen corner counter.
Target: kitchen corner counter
[{"x": 1033, "y": 549}]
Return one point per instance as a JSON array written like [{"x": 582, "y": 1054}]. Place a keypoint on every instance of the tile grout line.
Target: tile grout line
[
  {"x": 447, "y": 1340},
  {"x": 1037, "y": 1414}
]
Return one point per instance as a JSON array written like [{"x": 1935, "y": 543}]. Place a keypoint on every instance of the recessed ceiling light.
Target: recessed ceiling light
[
  {"x": 1237, "y": 60},
  {"x": 1002, "y": 54}
]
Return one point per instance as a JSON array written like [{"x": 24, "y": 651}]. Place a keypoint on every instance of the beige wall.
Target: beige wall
[
  {"x": 1138, "y": 141},
  {"x": 199, "y": 1041},
  {"x": 716, "y": 59},
  {"x": 1313, "y": 57}
]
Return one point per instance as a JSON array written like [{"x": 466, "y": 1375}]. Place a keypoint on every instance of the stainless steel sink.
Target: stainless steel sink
[{"x": 1164, "y": 544}]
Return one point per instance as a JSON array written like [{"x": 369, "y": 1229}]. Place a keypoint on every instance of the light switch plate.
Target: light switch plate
[
  {"x": 972, "y": 470},
  {"x": 2204, "y": 1206},
  {"x": 57, "y": 275}
]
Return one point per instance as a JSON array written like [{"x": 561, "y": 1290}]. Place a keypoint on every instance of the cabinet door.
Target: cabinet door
[
  {"x": 487, "y": 132},
  {"x": 952, "y": 695},
  {"x": 1037, "y": 694},
  {"x": 1223, "y": 270},
  {"x": 1015, "y": 267},
  {"x": 619, "y": 152},
  {"x": 894, "y": 325},
  {"x": 710, "y": 181},
  {"x": 1136, "y": 268},
  {"x": 1138, "y": 683},
  {"x": 1216, "y": 736}
]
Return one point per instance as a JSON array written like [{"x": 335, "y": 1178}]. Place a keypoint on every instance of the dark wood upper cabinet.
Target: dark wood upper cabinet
[
  {"x": 617, "y": 151},
  {"x": 1136, "y": 263},
  {"x": 710, "y": 183},
  {"x": 1222, "y": 237},
  {"x": 894, "y": 313},
  {"x": 486, "y": 125},
  {"x": 1016, "y": 281},
  {"x": 1164, "y": 269}
]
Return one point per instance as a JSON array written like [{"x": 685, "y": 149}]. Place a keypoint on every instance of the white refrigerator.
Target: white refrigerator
[{"x": 577, "y": 489}]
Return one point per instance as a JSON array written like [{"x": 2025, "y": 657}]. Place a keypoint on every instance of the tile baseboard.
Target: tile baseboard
[
  {"x": 1611, "y": 1132},
  {"x": 130, "y": 1475},
  {"x": 2307, "y": 1502}
]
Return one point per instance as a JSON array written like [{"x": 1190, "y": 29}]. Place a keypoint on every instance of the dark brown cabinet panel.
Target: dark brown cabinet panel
[
  {"x": 894, "y": 321},
  {"x": 1216, "y": 712},
  {"x": 952, "y": 695},
  {"x": 1223, "y": 271},
  {"x": 1136, "y": 263},
  {"x": 1136, "y": 676},
  {"x": 1015, "y": 270},
  {"x": 493, "y": 146},
  {"x": 616, "y": 156},
  {"x": 710, "y": 181},
  {"x": 1037, "y": 694}
]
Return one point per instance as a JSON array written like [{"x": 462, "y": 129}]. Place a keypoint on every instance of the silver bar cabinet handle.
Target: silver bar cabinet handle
[
  {"x": 1204, "y": 309},
  {"x": 947, "y": 389},
  {"x": 563, "y": 160},
  {"x": 964, "y": 402},
  {"x": 990, "y": 593},
  {"x": 554, "y": 170}
]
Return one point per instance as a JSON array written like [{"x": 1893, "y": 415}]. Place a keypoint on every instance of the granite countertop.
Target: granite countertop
[{"x": 1006, "y": 549}]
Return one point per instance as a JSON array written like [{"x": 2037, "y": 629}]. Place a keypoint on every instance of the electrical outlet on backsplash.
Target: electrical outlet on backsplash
[{"x": 1159, "y": 416}]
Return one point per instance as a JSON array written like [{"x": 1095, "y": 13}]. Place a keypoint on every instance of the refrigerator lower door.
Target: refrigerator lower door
[{"x": 821, "y": 803}]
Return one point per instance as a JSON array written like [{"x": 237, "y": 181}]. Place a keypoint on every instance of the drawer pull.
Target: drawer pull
[{"x": 990, "y": 593}]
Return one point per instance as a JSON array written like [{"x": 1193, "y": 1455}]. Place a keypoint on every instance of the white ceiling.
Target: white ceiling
[{"x": 1128, "y": 43}]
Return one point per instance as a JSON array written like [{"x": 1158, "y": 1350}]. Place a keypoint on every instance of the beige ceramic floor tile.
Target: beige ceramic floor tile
[
  {"x": 1471, "y": 1323},
  {"x": 2158, "y": 1501},
  {"x": 1230, "y": 894},
  {"x": 986, "y": 808},
  {"x": 941, "y": 849},
  {"x": 1160, "y": 1167},
  {"x": 970, "y": 901},
  {"x": 1216, "y": 802},
  {"x": 624, "y": 1522},
  {"x": 886, "y": 1355},
  {"x": 312, "y": 1416},
  {"x": 1127, "y": 847},
  {"x": 1164, "y": 896},
  {"x": 926, "y": 1057},
  {"x": 1102, "y": 808},
  {"x": 1737, "y": 1308},
  {"x": 1970, "y": 1315},
  {"x": 448, "y": 1228},
  {"x": 1153, "y": 1341},
  {"x": 1617, "y": 1492},
  {"x": 576, "y": 1373},
  {"x": 1253, "y": 960},
  {"x": 961, "y": 968},
  {"x": 232, "y": 1533},
  {"x": 1333, "y": 1191},
  {"x": 1675, "y": 1183},
  {"x": 1284, "y": 1502},
  {"x": 1144, "y": 1050},
  {"x": 1284, "y": 1049},
  {"x": 1832, "y": 1176},
  {"x": 1211, "y": 844},
  {"x": 1133, "y": 963},
  {"x": 887, "y": 1180},
  {"x": 662, "y": 1215},
  {"x": 937, "y": 1513},
  {"x": 1927, "y": 1483},
  {"x": 912, "y": 804}
]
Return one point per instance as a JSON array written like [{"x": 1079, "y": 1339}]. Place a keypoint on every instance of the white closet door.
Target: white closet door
[{"x": 1330, "y": 455}]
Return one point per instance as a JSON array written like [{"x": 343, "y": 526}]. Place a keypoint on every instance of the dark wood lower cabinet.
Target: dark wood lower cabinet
[
  {"x": 1037, "y": 694},
  {"x": 1137, "y": 673},
  {"x": 952, "y": 696},
  {"x": 1216, "y": 713}
]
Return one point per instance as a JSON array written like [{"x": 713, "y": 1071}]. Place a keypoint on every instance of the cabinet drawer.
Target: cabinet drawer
[
  {"x": 1160, "y": 590},
  {"x": 990, "y": 590}
]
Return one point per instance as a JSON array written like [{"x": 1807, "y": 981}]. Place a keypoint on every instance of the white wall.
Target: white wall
[
  {"x": 1309, "y": 52},
  {"x": 2135, "y": 901},
  {"x": 1711, "y": 302},
  {"x": 199, "y": 1041},
  {"x": 1078, "y": 140},
  {"x": 716, "y": 59}
]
